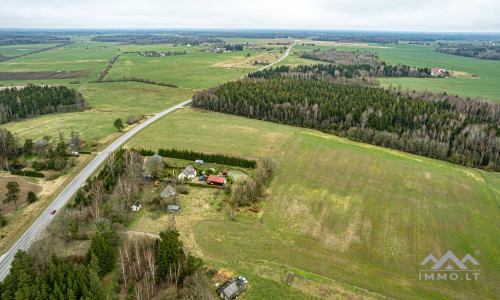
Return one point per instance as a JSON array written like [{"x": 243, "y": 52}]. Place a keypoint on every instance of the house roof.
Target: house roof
[
  {"x": 156, "y": 155},
  {"x": 189, "y": 170},
  {"x": 232, "y": 288},
  {"x": 40, "y": 143},
  {"x": 215, "y": 178},
  {"x": 175, "y": 207},
  {"x": 169, "y": 190}
]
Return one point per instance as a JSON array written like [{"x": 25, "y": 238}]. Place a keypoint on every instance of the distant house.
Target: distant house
[
  {"x": 168, "y": 191},
  {"x": 216, "y": 180},
  {"x": 137, "y": 205},
  {"x": 232, "y": 288},
  {"x": 77, "y": 142},
  {"x": 188, "y": 173},
  {"x": 173, "y": 208},
  {"x": 438, "y": 72},
  {"x": 199, "y": 162},
  {"x": 224, "y": 172}
]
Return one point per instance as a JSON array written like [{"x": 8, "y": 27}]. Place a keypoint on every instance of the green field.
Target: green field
[
  {"x": 486, "y": 86},
  {"x": 356, "y": 216},
  {"x": 196, "y": 70},
  {"x": 79, "y": 56},
  {"x": 200, "y": 130},
  {"x": 16, "y": 50},
  {"x": 108, "y": 101}
]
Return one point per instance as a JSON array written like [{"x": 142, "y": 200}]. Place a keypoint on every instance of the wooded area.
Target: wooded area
[
  {"x": 35, "y": 100},
  {"x": 456, "y": 129}
]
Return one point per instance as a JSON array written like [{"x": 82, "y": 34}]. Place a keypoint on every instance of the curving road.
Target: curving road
[{"x": 44, "y": 219}]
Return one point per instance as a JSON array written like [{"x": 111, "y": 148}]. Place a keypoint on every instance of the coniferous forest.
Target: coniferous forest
[
  {"x": 460, "y": 130},
  {"x": 35, "y": 100}
]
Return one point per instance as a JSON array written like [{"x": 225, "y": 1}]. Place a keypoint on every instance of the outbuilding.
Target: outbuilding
[
  {"x": 168, "y": 191},
  {"x": 216, "y": 180},
  {"x": 173, "y": 208},
  {"x": 137, "y": 205},
  {"x": 232, "y": 288}
]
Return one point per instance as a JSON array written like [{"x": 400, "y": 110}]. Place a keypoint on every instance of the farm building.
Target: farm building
[
  {"x": 438, "y": 72},
  {"x": 168, "y": 191},
  {"x": 224, "y": 172},
  {"x": 216, "y": 180},
  {"x": 232, "y": 288},
  {"x": 199, "y": 162},
  {"x": 137, "y": 205},
  {"x": 173, "y": 208},
  {"x": 188, "y": 173}
]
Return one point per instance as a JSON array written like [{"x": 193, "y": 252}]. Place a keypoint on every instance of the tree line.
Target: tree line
[
  {"x": 35, "y": 100},
  {"x": 481, "y": 52},
  {"x": 108, "y": 67},
  {"x": 456, "y": 129},
  {"x": 207, "y": 157},
  {"x": 152, "y": 39}
]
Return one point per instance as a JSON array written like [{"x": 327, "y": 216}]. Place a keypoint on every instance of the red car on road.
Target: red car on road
[{"x": 53, "y": 212}]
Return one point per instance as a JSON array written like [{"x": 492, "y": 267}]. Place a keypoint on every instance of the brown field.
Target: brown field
[
  {"x": 6, "y": 76},
  {"x": 25, "y": 188}
]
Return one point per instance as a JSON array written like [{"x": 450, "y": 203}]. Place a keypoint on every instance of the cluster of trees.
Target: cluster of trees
[
  {"x": 207, "y": 157},
  {"x": 8, "y": 147},
  {"x": 35, "y": 100},
  {"x": 235, "y": 47},
  {"x": 60, "y": 280},
  {"x": 158, "y": 54},
  {"x": 152, "y": 39},
  {"x": 108, "y": 67},
  {"x": 52, "y": 158},
  {"x": 246, "y": 191},
  {"x": 462, "y": 128},
  {"x": 481, "y": 52},
  {"x": 110, "y": 194}
]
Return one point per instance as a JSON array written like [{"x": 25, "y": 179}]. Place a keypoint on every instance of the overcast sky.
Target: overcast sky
[{"x": 394, "y": 15}]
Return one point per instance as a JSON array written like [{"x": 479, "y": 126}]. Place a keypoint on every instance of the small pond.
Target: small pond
[{"x": 235, "y": 173}]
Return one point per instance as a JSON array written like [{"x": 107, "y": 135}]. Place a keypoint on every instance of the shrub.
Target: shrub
[
  {"x": 27, "y": 173},
  {"x": 31, "y": 197}
]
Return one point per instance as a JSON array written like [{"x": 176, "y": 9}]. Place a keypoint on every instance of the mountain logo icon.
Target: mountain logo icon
[{"x": 448, "y": 260}]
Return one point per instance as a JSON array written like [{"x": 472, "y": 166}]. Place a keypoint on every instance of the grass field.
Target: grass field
[
  {"x": 354, "y": 218},
  {"x": 486, "y": 86},
  {"x": 200, "y": 130},
  {"x": 16, "y": 50},
  {"x": 369, "y": 216},
  {"x": 90, "y": 56},
  {"x": 196, "y": 70},
  {"x": 108, "y": 101}
]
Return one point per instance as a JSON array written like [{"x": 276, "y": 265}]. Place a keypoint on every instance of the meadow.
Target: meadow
[
  {"x": 370, "y": 215},
  {"x": 195, "y": 70},
  {"x": 200, "y": 130},
  {"x": 16, "y": 50},
  {"x": 82, "y": 55},
  {"x": 108, "y": 101},
  {"x": 485, "y": 86}
]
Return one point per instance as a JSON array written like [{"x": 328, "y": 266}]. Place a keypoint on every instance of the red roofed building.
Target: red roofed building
[{"x": 216, "y": 180}]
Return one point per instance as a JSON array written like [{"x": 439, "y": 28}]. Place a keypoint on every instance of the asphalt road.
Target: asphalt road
[{"x": 44, "y": 219}]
